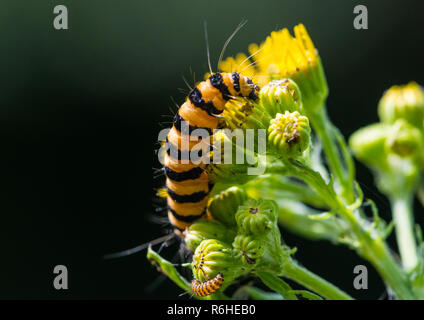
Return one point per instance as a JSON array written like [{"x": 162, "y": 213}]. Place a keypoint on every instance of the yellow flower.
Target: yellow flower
[{"x": 282, "y": 55}]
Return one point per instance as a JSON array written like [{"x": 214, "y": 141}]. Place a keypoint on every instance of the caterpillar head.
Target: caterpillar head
[{"x": 248, "y": 88}]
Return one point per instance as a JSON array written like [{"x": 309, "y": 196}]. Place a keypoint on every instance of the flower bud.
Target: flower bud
[
  {"x": 289, "y": 134},
  {"x": 248, "y": 249},
  {"x": 259, "y": 240},
  {"x": 230, "y": 163},
  {"x": 239, "y": 113},
  {"x": 368, "y": 143},
  {"x": 404, "y": 139},
  {"x": 212, "y": 257},
  {"x": 223, "y": 207},
  {"x": 279, "y": 96},
  {"x": 204, "y": 229},
  {"x": 403, "y": 102},
  {"x": 256, "y": 216}
]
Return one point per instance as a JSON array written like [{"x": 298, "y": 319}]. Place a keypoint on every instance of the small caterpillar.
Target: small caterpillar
[
  {"x": 188, "y": 184},
  {"x": 208, "y": 287}
]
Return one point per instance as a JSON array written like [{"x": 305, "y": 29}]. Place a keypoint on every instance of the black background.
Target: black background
[{"x": 80, "y": 112}]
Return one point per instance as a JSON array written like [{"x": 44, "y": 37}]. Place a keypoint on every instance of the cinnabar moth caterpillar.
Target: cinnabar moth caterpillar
[
  {"x": 187, "y": 183},
  {"x": 208, "y": 287}
]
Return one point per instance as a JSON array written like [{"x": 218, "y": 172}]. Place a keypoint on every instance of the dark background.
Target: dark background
[{"x": 80, "y": 112}]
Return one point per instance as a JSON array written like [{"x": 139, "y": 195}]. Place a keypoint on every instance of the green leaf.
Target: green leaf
[
  {"x": 307, "y": 294},
  {"x": 359, "y": 198},
  {"x": 347, "y": 156},
  {"x": 276, "y": 284},
  {"x": 321, "y": 216},
  {"x": 258, "y": 294}
]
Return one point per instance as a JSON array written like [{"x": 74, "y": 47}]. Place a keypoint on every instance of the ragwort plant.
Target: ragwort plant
[{"x": 240, "y": 234}]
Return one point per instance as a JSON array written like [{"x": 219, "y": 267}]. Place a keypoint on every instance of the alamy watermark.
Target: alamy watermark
[
  {"x": 60, "y": 22},
  {"x": 361, "y": 280},
  {"x": 195, "y": 146},
  {"x": 361, "y": 20},
  {"x": 60, "y": 282}
]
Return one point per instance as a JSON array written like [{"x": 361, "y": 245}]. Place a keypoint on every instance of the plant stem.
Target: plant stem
[
  {"x": 169, "y": 270},
  {"x": 258, "y": 294},
  {"x": 371, "y": 246},
  {"x": 296, "y": 217},
  {"x": 402, "y": 216},
  {"x": 324, "y": 129},
  {"x": 375, "y": 250},
  {"x": 276, "y": 284},
  {"x": 314, "y": 282}
]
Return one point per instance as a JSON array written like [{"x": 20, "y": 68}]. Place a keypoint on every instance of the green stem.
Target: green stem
[
  {"x": 281, "y": 187},
  {"x": 313, "y": 282},
  {"x": 325, "y": 130},
  {"x": 258, "y": 294},
  {"x": 371, "y": 246},
  {"x": 402, "y": 216},
  {"x": 376, "y": 251},
  {"x": 169, "y": 270},
  {"x": 297, "y": 218},
  {"x": 276, "y": 284}
]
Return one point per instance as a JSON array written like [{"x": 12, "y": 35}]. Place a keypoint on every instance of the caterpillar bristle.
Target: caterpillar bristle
[{"x": 187, "y": 84}]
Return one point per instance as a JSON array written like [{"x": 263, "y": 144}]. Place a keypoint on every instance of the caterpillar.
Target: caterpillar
[
  {"x": 187, "y": 184},
  {"x": 208, "y": 287}
]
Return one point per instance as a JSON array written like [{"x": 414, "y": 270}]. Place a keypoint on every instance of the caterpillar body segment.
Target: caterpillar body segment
[
  {"x": 208, "y": 287},
  {"x": 187, "y": 181}
]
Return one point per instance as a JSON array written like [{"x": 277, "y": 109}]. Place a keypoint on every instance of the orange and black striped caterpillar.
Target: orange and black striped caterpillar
[
  {"x": 208, "y": 287},
  {"x": 188, "y": 184}
]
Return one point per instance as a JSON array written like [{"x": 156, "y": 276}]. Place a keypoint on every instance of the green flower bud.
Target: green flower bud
[
  {"x": 405, "y": 140},
  {"x": 256, "y": 216},
  {"x": 279, "y": 96},
  {"x": 259, "y": 240},
  {"x": 289, "y": 134},
  {"x": 401, "y": 177},
  {"x": 368, "y": 143},
  {"x": 212, "y": 257},
  {"x": 248, "y": 249},
  {"x": 384, "y": 148},
  {"x": 229, "y": 173},
  {"x": 239, "y": 113},
  {"x": 230, "y": 158},
  {"x": 204, "y": 229},
  {"x": 403, "y": 102},
  {"x": 223, "y": 207}
]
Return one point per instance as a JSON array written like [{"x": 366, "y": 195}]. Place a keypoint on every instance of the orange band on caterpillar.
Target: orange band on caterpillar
[
  {"x": 187, "y": 182},
  {"x": 208, "y": 287}
]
